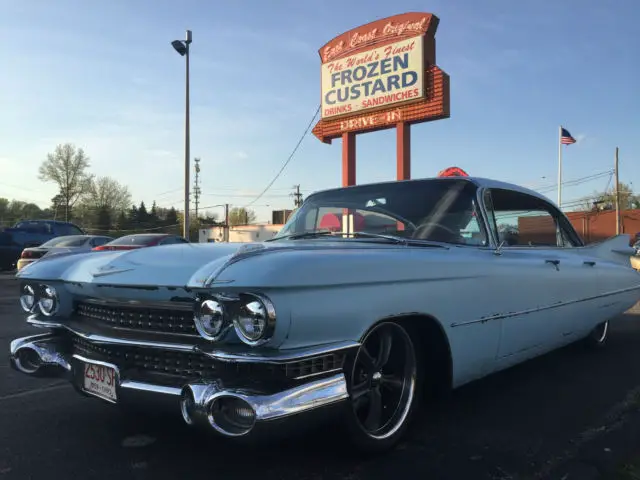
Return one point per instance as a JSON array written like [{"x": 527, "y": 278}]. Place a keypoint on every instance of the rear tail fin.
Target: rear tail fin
[{"x": 615, "y": 249}]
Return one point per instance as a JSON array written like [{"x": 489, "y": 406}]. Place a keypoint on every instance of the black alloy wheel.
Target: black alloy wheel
[{"x": 384, "y": 386}]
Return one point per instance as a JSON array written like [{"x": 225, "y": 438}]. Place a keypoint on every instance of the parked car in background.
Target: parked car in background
[
  {"x": 369, "y": 298},
  {"x": 9, "y": 252},
  {"x": 142, "y": 240},
  {"x": 64, "y": 244},
  {"x": 30, "y": 233}
]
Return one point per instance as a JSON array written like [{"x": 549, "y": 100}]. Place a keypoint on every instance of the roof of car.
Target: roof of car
[
  {"x": 54, "y": 222},
  {"x": 480, "y": 182},
  {"x": 148, "y": 235}
]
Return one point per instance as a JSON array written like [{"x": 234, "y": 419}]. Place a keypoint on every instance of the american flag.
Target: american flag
[{"x": 566, "y": 138}]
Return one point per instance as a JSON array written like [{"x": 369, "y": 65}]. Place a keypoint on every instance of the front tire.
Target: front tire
[
  {"x": 598, "y": 336},
  {"x": 384, "y": 384}
]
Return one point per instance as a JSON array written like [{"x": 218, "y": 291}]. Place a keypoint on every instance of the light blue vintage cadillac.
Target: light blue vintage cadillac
[{"x": 369, "y": 299}]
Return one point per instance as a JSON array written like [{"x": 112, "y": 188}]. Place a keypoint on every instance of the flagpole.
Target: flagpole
[{"x": 560, "y": 167}]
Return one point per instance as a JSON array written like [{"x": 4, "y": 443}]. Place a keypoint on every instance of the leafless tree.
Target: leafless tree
[
  {"x": 106, "y": 192},
  {"x": 67, "y": 168}
]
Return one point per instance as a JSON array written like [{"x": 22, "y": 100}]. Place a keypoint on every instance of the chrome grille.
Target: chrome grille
[
  {"x": 140, "y": 318},
  {"x": 189, "y": 365},
  {"x": 314, "y": 366},
  {"x": 183, "y": 364}
]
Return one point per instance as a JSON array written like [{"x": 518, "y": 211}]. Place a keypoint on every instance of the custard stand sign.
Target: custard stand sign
[{"x": 374, "y": 78}]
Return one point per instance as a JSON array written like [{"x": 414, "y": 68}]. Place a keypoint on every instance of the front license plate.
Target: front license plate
[{"x": 100, "y": 380}]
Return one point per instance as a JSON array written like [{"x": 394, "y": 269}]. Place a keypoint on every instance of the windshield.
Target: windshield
[
  {"x": 437, "y": 210},
  {"x": 141, "y": 239},
  {"x": 66, "y": 241}
]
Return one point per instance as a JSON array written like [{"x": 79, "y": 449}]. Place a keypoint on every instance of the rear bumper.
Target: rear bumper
[{"x": 232, "y": 412}]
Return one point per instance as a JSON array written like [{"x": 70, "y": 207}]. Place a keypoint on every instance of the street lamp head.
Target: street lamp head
[{"x": 179, "y": 47}]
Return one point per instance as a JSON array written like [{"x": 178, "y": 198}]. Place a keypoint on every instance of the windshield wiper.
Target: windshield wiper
[
  {"x": 389, "y": 238},
  {"x": 396, "y": 239},
  {"x": 295, "y": 236}
]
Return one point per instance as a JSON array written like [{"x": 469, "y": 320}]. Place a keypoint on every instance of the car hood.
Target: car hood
[{"x": 263, "y": 264}]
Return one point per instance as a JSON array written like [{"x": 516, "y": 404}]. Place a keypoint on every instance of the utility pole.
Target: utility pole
[
  {"x": 226, "y": 222},
  {"x": 297, "y": 196},
  {"x": 560, "y": 167},
  {"x": 196, "y": 186},
  {"x": 182, "y": 47},
  {"x": 617, "y": 194}
]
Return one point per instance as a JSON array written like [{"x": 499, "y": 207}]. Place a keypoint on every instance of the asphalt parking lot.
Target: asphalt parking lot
[{"x": 572, "y": 414}]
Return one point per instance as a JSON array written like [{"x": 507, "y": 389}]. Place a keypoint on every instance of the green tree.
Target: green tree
[
  {"x": 241, "y": 216},
  {"x": 607, "y": 200},
  {"x": 143, "y": 215},
  {"x": 153, "y": 215},
  {"x": 67, "y": 168},
  {"x": 103, "y": 222},
  {"x": 132, "y": 217},
  {"x": 172, "y": 217},
  {"x": 122, "y": 223}
]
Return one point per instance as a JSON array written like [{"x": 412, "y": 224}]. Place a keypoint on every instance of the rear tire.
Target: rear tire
[
  {"x": 384, "y": 382},
  {"x": 598, "y": 336}
]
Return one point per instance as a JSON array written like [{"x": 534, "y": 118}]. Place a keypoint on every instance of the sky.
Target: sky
[{"x": 103, "y": 76}]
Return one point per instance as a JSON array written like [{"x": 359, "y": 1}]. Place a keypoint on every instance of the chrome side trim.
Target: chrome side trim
[
  {"x": 500, "y": 316},
  {"x": 278, "y": 356}
]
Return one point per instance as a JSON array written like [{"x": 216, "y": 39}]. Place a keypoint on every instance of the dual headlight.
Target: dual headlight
[
  {"x": 39, "y": 297},
  {"x": 252, "y": 316}
]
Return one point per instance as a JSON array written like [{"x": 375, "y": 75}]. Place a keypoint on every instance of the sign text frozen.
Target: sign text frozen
[{"x": 375, "y": 78}]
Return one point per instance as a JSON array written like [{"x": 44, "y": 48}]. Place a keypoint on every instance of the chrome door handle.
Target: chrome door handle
[{"x": 553, "y": 262}]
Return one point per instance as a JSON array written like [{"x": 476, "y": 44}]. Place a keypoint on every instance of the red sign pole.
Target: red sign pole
[
  {"x": 348, "y": 159},
  {"x": 403, "y": 150}
]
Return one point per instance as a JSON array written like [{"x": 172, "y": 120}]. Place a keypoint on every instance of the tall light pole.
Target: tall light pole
[{"x": 182, "y": 47}]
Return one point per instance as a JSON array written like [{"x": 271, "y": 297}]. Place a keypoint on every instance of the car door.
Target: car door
[{"x": 542, "y": 281}]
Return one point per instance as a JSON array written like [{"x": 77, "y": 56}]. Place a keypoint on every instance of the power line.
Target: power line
[
  {"x": 288, "y": 159},
  {"x": 576, "y": 181},
  {"x": 245, "y": 195}
]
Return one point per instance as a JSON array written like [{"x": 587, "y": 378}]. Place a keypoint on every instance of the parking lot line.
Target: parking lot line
[{"x": 26, "y": 393}]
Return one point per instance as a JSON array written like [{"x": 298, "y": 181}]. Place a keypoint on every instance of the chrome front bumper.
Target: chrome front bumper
[{"x": 232, "y": 412}]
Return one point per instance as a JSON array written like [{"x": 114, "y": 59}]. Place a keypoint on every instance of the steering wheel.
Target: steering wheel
[
  {"x": 437, "y": 226},
  {"x": 395, "y": 216}
]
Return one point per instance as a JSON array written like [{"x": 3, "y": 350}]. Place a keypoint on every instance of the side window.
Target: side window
[
  {"x": 96, "y": 242},
  {"x": 68, "y": 230},
  {"x": 473, "y": 233},
  {"x": 525, "y": 220}
]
